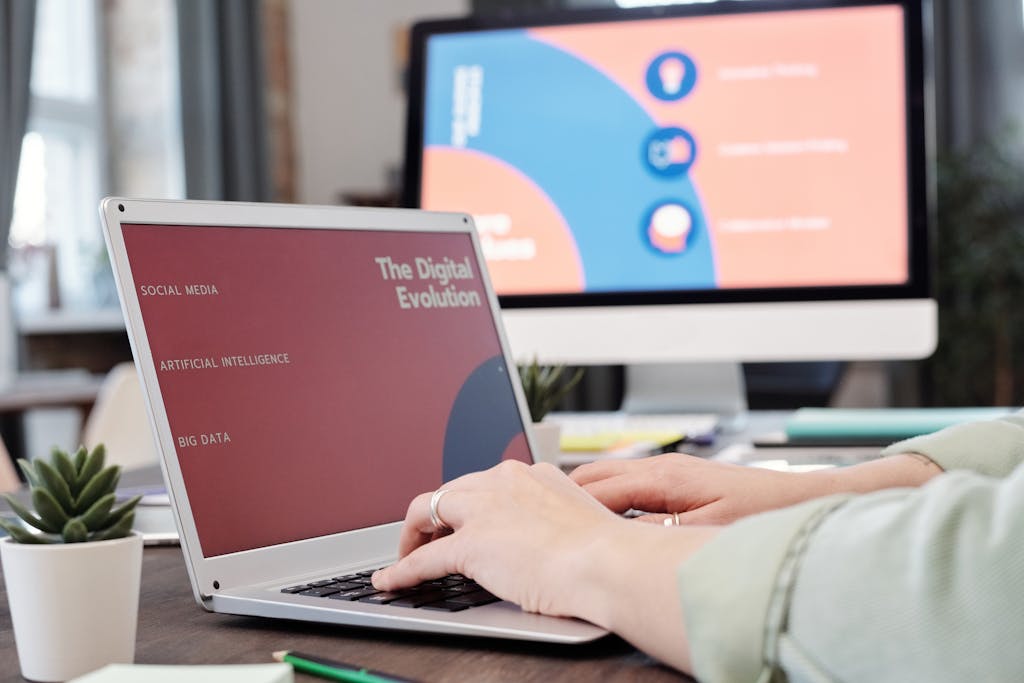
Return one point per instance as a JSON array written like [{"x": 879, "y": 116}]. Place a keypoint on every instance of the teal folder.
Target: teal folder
[{"x": 878, "y": 425}]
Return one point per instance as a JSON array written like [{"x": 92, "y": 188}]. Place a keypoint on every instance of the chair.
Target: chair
[
  {"x": 9, "y": 480},
  {"x": 119, "y": 420}
]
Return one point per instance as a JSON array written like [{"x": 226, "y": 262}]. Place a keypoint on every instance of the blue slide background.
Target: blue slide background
[{"x": 579, "y": 137}]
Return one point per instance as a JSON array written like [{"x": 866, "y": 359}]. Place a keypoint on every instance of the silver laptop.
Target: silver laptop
[{"x": 308, "y": 371}]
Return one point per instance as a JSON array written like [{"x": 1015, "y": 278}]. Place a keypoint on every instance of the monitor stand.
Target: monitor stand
[{"x": 717, "y": 388}]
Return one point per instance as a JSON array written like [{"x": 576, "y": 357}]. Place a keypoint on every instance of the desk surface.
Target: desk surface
[{"x": 173, "y": 629}]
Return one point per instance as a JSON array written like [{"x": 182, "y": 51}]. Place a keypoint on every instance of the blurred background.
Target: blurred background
[{"x": 303, "y": 101}]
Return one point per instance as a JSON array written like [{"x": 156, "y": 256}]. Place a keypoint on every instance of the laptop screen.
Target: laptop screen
[{"x": 316, "y": 380}]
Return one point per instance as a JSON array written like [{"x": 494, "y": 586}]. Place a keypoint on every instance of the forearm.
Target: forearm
[
  {"x": 627, "y": 581},
  {"x": 993, "y": 447},
  {"x": 896, "y": 471}
]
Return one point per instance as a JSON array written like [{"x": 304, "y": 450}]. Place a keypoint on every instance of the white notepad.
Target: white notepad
[{"x": 159, "y": 673}]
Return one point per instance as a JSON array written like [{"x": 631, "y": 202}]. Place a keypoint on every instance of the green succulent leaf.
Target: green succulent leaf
[
  {"x": 48, "y": 508},
  {"x": 29, "y": 471},
  {"x": 65, "y": 467},
  {"x": 30, "y": 518},
  {"x": 98, "y": 515},
  {"x": 21, "y": 535},
  {"x": 123, "y": 510},
  {"x": 99, "y": 485},
  {"x": 80, "y": 456},
  {"x": 91, "y": 467},
  {"x": 55, "y": 483},
  {"x": 544, "y": 386},
  {"x": 74, "y": 531},
  {"x": 119, "y": 530}
]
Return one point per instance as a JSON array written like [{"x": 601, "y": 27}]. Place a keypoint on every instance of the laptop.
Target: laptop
[{"x": 308, "y": 371}]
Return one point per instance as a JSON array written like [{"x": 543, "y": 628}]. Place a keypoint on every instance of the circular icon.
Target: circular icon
[
  {"x": 671, "y": 76},
  {"x": 669, "y": 152},
  {"x": 668, "y": 227}
]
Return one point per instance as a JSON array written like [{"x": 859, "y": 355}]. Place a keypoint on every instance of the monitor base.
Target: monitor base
[{"x": 717, "y": 388}]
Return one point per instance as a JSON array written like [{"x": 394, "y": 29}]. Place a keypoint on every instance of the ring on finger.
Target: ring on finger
[{"x": 439, "y": 524}]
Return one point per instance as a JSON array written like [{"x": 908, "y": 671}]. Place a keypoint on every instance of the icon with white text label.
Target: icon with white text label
[
  {"x": 669, "y": 152},
  {"x": 668, "y": 227},
  {"x": 671, "y": 76}
]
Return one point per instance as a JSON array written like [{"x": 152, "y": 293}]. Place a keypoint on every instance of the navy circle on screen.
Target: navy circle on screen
[
  {"x": 484, "y": 420},
  {"x": 669, "y": 152}
]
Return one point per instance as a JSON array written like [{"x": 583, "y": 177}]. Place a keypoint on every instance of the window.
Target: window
[
  {"x": 55, "y": 231},
  {"x": 103, "y": 119}
]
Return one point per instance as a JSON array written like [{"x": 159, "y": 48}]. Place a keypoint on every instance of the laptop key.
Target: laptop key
[
  {"x": 445, "y": 606},
  {"x": 325, "y": 582},
  {"x": 354, "y": 594},
  {"x": 474, "y": 599},
  {"x": 385, "y": 597},
  {"x": 350, "y": 586},
  {"x": 295, "y": 589},
  {"x": 321, "y": 591},
  {"x": 419, "y": 599}
]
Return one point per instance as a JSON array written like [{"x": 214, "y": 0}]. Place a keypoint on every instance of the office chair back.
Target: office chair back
[{"x": 119, "y": 420}]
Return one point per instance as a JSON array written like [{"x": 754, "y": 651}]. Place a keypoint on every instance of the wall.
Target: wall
[{"x": 349, "y": 109}]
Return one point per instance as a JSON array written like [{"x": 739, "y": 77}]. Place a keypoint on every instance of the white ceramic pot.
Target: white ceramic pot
[
  {"x": 546, "y": 437},
  {"x": 74, "y": 606}
]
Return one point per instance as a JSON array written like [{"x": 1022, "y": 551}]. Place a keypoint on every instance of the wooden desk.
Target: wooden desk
[{"x": 173, "y": 629}]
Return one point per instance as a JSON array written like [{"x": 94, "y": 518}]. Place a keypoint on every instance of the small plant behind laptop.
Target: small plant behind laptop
[
  {"x": 544, "y": 387},
  {"x": 82, "y": 561}
]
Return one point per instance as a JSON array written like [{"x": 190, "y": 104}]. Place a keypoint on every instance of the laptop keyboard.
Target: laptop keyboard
[{"x": 453, "y": 593}]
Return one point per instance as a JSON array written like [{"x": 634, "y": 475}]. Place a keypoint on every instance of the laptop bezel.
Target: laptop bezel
[{"x": 356, "y": 549}]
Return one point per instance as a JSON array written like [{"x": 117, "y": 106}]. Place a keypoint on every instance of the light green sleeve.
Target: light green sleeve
[
  {"x": 992, "y": 447},
  {"x": 898, "y": 585}
]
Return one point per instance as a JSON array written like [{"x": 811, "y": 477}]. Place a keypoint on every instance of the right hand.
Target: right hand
[{"x": 701, "y": 491}]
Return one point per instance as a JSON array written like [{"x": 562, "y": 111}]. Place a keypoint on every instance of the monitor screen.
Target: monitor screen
[{"x": 716, "y": 153}]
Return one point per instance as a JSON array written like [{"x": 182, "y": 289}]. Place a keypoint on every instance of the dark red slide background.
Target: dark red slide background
[{"x": 353, "y": 427}]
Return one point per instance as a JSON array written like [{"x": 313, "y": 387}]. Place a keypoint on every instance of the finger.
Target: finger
[
  {"x": 708, "y": 514},
  {"x": 638, "y": 491},
  {"x": 430, "y": 561},
  {"x": 418, "y": 528},
  {"x": 656, "y": 518},
  {"x": 596, "y": 471}
]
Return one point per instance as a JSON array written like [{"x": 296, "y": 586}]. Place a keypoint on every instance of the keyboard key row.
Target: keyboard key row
[{"x": 450, "y": 594}]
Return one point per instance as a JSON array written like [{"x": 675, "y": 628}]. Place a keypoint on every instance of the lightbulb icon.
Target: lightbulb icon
[{"x": 670, "y": 76}]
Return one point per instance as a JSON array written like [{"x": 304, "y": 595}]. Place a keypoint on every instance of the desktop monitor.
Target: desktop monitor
[{"x": 725, "y": 181}]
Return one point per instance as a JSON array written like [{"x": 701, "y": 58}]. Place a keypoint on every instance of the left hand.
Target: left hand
[{"x": 518, "y": 531}]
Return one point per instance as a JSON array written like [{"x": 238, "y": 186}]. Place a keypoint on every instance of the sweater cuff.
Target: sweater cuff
[
  {"x": 990, "y": 447},
  {"x": 735, "y": 590}
]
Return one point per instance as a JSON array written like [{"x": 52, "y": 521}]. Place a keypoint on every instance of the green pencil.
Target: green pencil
[{"x": 335, "y": 671}]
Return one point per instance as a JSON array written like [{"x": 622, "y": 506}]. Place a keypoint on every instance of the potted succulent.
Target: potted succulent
[
  {"x": 544, "y": 386},
  {"x": 73, "y": 570}
]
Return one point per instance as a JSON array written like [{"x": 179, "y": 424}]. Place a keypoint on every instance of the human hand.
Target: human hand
[
  {"x": 701, "y": 491},
  {"x": 530, "y": 535},
  {"x": 519, "y": 531}
]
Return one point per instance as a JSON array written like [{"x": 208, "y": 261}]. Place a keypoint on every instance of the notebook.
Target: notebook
[{"x": 308, "y": 371}]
